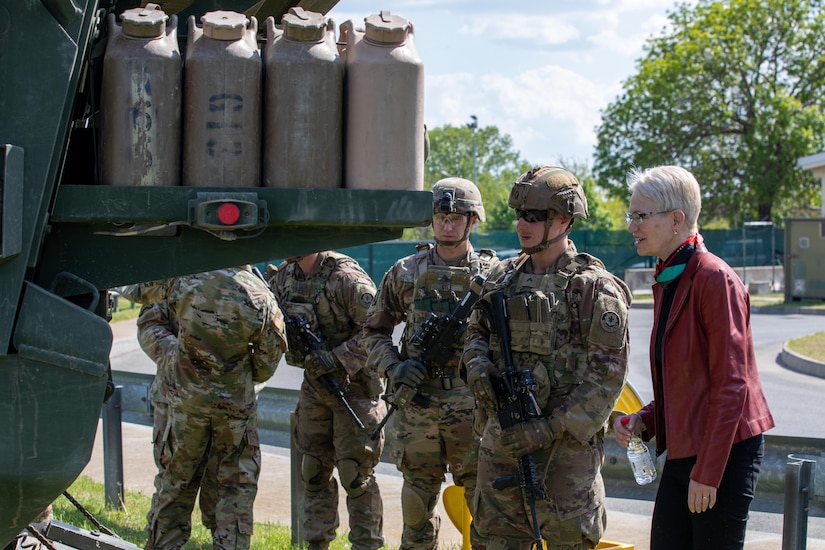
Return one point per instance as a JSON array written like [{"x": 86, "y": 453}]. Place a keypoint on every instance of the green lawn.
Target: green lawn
[
  {"x": 129, "y": 524},
  {"x": 126, "y": 310},
  {"x": 811, "y": 346}
]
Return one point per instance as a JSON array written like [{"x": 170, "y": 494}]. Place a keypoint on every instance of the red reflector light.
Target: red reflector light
[{"x": 229, "y": 213}]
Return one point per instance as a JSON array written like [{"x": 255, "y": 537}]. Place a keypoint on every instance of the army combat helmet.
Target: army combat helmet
[
  {"x": 457, "y": 195},
  {"x": 549, "y": 188}
]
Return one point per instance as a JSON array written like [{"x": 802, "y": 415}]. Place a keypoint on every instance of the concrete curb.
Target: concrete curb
[
  {"x": 799, "y": 363},
  {"x": 787, "y": 310}
]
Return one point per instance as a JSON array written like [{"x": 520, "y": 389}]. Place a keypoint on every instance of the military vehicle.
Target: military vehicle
[{"x": 65, "y": 238}]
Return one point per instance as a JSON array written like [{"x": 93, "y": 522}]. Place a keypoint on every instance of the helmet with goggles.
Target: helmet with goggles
[
  {"x": 457, "y": 195},
  {"x": 549, "y": 188}
]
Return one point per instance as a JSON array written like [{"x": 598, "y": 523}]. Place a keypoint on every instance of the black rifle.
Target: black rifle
[
  {"x": 435, "y": 338},
  {"x": 307, "y": 342},
  {"x": 517, "y": 404}
]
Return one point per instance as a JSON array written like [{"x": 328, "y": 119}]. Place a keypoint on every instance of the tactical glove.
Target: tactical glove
[
  {"x": 480, "y": 370},
  {"x": 318, "y": 363},
  {"x": 527, "y": 437},
  {"x": 408, "y": 372}
]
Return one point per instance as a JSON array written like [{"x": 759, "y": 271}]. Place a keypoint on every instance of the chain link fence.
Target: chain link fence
[{"x": 752, "y": 247}]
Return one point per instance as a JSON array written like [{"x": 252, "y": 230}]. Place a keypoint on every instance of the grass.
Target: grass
[
  {"x": 125, "y": 310},
  {"x": 776, "y": 299},
  {"x": 129, "y": 524},
  {"x": 811, "y": 346}
]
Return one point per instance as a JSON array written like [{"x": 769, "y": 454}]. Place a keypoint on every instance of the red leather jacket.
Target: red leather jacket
[{"x": 711, "y": 393}]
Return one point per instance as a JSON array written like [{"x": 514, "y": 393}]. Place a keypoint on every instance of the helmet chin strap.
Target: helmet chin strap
[
  {"x": 544, "y": 244},
  {"x": 463, "y": 238}
]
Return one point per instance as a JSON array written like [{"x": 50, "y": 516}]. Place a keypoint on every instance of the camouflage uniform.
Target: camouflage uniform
[
  {"x": 231, "y": 335},
  {"x": 568, "y": 328},
  {"x": 158, "y": 337},
  {"x": 433, "y": 433},
  {"x": 334, "y": 299}
]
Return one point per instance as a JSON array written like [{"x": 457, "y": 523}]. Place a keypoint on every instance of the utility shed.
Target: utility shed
[
  {"x": 805, "y": 244},
  {"x": 804, "y": 259}
]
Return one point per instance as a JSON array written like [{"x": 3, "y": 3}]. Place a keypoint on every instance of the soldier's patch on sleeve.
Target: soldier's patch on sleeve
[
  {"x": 609, "y": 324},
  {"x": 278, "y": 320},
  {"x": 610, "y": 321},
  {"x": 366, "y": 299}
]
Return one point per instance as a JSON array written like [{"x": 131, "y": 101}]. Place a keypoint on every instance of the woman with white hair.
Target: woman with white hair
[{"x": 709, "y": 410}]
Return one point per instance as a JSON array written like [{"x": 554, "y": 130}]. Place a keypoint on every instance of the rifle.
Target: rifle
[
  {"x": 307, "y": 342},
  {"x": 435, "y": 338},
  {"x": 517, "y": 404}
]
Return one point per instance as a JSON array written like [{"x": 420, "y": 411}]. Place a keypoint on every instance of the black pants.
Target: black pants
[{"x": 723, "y": 526}]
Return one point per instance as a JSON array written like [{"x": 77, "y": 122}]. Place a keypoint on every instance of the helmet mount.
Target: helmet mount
[{"x": 446, "y": 203}]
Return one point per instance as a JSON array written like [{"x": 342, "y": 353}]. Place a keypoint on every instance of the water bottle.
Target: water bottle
[{"x": 640, "y": 460}]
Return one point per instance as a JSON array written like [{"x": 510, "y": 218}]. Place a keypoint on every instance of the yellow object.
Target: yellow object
[
  {"x": 459, "y": 514},
  {"x": 456, "y": 507},
  {"x": 629, "y": 401},
  {"x": 607, "y": 545}
]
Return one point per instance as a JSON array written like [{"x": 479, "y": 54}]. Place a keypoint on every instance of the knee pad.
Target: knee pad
[
  {"x": 417, "y": 504},
  {"x": 312, "y": 474},
  {"x": 352, "y": 480}
]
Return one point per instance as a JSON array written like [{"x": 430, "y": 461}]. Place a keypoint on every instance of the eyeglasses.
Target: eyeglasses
[
  {"x": 639, "y": 217},
  {"x": 531, "y": 216},
  {"x": 452, "y": 219}
]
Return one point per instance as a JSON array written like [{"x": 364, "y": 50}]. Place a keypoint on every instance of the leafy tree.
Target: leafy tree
[
  {"x": 732, "y": 92},
  {"x": 498, "y": 165},
  {"x": 600, "y": 215}
]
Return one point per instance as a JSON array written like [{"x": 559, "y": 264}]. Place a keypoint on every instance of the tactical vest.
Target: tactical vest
[
  {"x": 438, "y": 289},
  {"x": 545, "y": 335},
  {"x": 307, "y": 299}
]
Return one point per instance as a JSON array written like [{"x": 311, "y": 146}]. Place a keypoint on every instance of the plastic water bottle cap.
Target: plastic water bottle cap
[{"x": 625, "y": 420}]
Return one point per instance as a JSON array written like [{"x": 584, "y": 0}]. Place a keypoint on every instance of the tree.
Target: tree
[
  {"x": 498, "y": 165},
  {"x": 599, "y": 214},
  {"x": 733, "y": 92}
]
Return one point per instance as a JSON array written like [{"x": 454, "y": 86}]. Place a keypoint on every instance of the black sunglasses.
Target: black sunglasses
[{"x": 532, "y": 216}]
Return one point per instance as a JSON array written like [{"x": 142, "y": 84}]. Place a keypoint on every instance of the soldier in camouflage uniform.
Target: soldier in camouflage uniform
[
  {"x": 432, "y": 434},
  {"x": 568, "y": 327},
  {"x": 230, "y": 336},
  {"x": 332, "y": 294},
  {"x": 158, "y": 337}
]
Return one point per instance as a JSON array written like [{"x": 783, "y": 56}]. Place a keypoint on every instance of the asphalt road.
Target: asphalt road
[{"x": 795, "y": 398}]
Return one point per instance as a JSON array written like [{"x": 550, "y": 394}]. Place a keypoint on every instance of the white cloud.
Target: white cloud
[
  {"x": 549, "y": 111},
  {"x": 539, "y": 30},
  {"x": 540, "y": 71}
]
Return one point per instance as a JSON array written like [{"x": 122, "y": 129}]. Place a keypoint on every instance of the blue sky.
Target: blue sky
[{"x": 540, "y": 70}]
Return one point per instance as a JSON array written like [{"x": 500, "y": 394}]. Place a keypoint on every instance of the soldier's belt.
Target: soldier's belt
[
  {"x": 442, "y": 372},
  {"x": 442, "y": 382}
]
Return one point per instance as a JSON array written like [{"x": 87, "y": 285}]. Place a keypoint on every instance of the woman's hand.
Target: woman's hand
[
  {"x": 623, "y": 432},
  {"x": 701, "y": 498}
]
